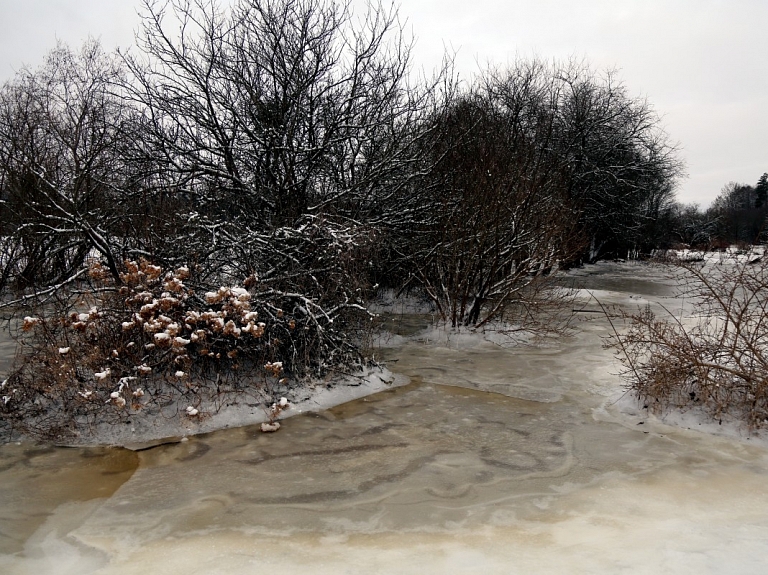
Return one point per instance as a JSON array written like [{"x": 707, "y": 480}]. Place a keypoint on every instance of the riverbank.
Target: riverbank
[
  {"x": 498, "y": 457},
  {"x": 407, "y": 322},
  {"x": 141, "y": 432}
]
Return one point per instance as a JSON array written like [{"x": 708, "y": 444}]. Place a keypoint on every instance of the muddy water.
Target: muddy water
[
  {"x": 495, "y": 459},
  {"x": 37, "y": 481}
]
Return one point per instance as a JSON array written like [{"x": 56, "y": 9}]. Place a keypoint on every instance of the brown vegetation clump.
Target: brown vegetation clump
[
  {"x": 148, "y": 344},
  {"x": 715, "y": 358}
]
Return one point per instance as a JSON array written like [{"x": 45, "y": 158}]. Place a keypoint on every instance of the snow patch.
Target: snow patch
[{"x": 317, "y": 396}]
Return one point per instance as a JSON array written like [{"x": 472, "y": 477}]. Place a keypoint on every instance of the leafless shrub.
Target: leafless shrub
[
  {"x": 716, "y": 357},
  {"x": 151, "y": 343},
  {"x": 498, "y": 218}
]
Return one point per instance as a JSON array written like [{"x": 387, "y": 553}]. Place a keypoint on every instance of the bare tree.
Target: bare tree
[
  {"x": 497, "y": 220},
  {"x": 620, "y": 166},
  {"x": 61, "y": 168},
  {"x": 279, "y": 108}
]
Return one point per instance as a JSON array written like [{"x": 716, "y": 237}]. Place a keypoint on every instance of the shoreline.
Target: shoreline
[
  {"x": 146, "y": 431},
  {"x": 143, "y": 433}
]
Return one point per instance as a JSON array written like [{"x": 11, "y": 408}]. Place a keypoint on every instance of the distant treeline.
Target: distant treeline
[{"x": 737, "y": 216}]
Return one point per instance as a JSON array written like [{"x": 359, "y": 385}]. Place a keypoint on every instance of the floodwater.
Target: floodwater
[{"x": 494, "y": 459}]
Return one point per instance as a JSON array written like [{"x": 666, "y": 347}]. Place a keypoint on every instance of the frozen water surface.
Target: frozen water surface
[{"x": 495, "y": 459}]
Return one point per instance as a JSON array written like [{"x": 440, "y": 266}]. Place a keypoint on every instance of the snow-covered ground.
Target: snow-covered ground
[
  {"x": 175, "y": 424},
  {"x": 731, "y": 255}
]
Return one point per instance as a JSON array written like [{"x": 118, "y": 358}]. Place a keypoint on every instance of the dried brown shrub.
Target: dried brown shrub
[
  {"x": 149, "y": 344},
  {"x": 715, "y": 356}
]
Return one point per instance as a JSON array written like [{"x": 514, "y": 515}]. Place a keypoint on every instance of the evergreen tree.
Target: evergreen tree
[{"x": 762, "y": 190}]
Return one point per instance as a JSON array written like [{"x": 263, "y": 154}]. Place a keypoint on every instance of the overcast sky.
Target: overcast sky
[{"x": 703, "y": 64}]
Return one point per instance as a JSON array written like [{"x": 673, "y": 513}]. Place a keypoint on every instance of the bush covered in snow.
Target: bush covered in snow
[{"x": 151, "y": 342}]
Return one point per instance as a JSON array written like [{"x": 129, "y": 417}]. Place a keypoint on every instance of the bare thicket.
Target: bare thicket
[
  {"x": 104, "y": 351},
  {"x": 151, "y": 346},
  {"x": 714, "y": 357},
  {"x": 499, "y": 220},
  {"x": 288, "y": 132},
  {"x": 61, "y": 168},
  {"x": 536, "y": 166},
  {"x": 619, "y": 164},
  {"x": 290, "y": 143},
  {"x": 271, "y": 140}
]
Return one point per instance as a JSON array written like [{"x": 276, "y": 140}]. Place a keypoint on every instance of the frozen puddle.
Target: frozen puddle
[{"x": 545, "y": 475}]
